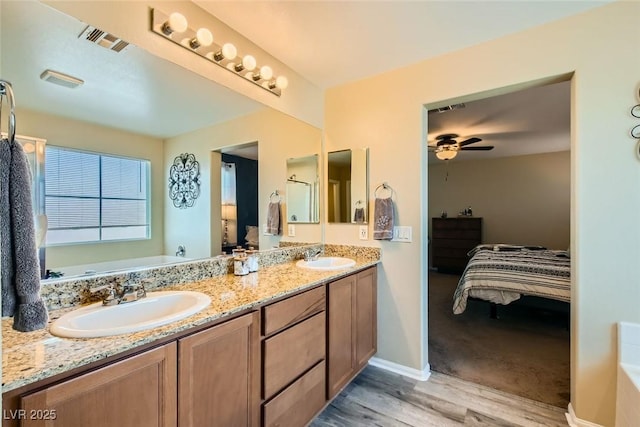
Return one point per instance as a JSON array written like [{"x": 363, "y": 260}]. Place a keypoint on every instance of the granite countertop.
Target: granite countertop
[{"x": 32, "y": 356}]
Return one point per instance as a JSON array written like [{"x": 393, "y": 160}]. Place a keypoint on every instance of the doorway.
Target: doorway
[
  {"x": 526, "y": 351},
  {"x": 237, "y": 201}
]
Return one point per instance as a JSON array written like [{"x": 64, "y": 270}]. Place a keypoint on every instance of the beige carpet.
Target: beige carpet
[{"x": 525, "y": 352}]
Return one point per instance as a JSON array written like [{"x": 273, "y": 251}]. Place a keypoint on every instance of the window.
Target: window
[{"x": 95, "y": 197}]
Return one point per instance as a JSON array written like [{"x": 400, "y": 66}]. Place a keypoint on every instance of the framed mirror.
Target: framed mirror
[
  {"x": 302, "y": 190},
  {"x": 347, "y": 184}
]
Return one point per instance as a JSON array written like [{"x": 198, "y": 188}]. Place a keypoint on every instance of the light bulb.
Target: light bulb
[
  {"x": 228, "y": 51},
  {"x": 282, "y": 82},
  {"x": 203, "y": 38},
  {"x": 29, "y": 148},
  {"x": 249, "y": 63},
  {"x": 266, "y": 72},
  {"x": 177, "y": 22}
]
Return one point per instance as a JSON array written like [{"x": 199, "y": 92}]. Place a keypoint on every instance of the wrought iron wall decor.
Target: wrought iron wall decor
[
  {"x": 184, "y": 181},
  {"x": 635, "y": 131}
]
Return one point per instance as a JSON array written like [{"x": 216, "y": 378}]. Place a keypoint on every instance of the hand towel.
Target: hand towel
[
  {"x": 21, "y": 279},
  {"x": 273, "y": 218},
  {"x": 358, "y": 216},
  {"x": 383, "y": 219}
]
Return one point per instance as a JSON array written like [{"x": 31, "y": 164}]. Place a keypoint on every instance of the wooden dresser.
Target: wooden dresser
[{"x": 451, "y": 239}]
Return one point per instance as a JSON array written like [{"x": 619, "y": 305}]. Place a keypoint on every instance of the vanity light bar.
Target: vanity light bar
[{"x": 175, "y": 27}]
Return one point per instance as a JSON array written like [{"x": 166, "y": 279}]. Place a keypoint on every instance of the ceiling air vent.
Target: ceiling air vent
[
  {"x": 61, "y": 79},
  {"x": 104, "y": 39},
  {"x": 447, "y": 108}
]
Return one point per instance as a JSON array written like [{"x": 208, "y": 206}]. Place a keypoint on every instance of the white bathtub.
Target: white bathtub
[
  {"x": 123, "y": 264},
  {"x": 628, "y": 386}
]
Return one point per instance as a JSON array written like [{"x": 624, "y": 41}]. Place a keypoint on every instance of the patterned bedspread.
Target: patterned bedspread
[{"x": 502, "y": 273}]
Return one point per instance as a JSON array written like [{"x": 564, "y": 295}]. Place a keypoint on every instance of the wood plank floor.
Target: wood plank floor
[{"x": 380, "y": 398}]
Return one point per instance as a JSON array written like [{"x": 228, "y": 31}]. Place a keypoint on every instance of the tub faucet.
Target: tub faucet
[{"x": 181, "y": 251}]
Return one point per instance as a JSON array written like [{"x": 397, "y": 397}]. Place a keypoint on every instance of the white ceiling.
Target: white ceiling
[
  {"x": 335, "y": 42},
  {"x": 534, "y": 120},
  {"x": 327, "y": 42}
]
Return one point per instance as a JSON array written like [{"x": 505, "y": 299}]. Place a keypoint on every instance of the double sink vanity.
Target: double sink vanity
[{"x": 271, "y": 348}]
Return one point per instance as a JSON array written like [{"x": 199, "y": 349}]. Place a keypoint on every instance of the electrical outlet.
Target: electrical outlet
[
  {"x": 363, "y": 232},
  {"x": 402, "y": 234},
  {"x": 291, "y": 230}
]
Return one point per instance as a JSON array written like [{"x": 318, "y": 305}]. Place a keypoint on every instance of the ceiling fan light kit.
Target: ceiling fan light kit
[{"x": 447, "y": 147}]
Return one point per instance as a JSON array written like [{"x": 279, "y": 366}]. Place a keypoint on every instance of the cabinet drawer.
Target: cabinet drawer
[
  {"x": 298, "y": 403},
  {"x": 456, "y": 234},
  {"x": 291, "y": 352},
  {"x": 284, "y": 313}
]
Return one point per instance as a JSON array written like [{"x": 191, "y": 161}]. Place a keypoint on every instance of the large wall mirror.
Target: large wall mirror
[
  {"x": 302, "y": 190},
  {"x": 133, "y": 120},
  {"x": 347, "y": 184}
]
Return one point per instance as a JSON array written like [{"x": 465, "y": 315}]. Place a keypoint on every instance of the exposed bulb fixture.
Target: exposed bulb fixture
[
  {"x": 176, "y": 22},
  {"x": 446, "y": 154},
  {"x": 203, "y": 38},
  {"x": 224, "y": 55},
  {"x": 228, "y": 52}
]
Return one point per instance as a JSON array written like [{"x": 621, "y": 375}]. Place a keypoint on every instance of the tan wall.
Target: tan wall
[
  {"x": 279, "y": 137},
  {"x": 386, "y": 113},
  {"x": 71, "y": 133},
  {"x": 522, "y": 200}
]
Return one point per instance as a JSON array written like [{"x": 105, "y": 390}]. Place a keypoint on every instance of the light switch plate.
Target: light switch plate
[
  {"x": 291, "y": 231},
  {"x": 363, "y": 232},
  {"x": 402, "y": 234}
]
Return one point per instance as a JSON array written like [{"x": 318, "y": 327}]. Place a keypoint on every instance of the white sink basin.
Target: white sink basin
[
  {"x": 158, "y": 308},
  {"x": 327, "y": 263}
]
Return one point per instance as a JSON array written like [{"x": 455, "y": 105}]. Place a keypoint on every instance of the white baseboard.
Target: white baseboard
[
  {"x": 416, "y": 374},
  {"x": 577, "y": 422}
]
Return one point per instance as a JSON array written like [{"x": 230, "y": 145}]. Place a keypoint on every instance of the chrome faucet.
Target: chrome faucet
[
  {"x": 130, "y": 292},
  {"x": 181, "y": 250},
  {"x": 312, "y": 255}
]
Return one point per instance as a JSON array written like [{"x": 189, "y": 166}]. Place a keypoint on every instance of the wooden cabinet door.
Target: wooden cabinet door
[
  {"x": 219, "y": 375},
  {"x": 138, "y": 391},
  {"x": 341, "y": 330},
  {"x": 366, "y": 317}
]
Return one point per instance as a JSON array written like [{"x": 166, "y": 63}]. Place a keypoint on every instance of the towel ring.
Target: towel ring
[
  {"x": 275, "y": 194},
  {"x": 6, "y": 90},
  {"x": 384, "y": 186},
  {"x": 359, "y": 203}
]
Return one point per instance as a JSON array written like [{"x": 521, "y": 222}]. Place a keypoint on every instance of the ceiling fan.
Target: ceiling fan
[{"x": 447, "y": 147}]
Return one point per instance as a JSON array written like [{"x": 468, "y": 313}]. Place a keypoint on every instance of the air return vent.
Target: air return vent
[
  {"x": 104, "y": 39},
  {"x": 61, "y": 79},
  {"x": 447, "y": 108}
]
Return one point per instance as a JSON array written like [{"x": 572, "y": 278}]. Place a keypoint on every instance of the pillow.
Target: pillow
[{"x": 252, "y": 237}]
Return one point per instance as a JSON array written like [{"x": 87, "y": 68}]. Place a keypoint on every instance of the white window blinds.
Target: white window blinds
[{"x": 93, "y": 197}]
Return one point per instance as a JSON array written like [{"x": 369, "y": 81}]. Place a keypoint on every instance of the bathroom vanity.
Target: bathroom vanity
[{"x": 276, "y": 363}]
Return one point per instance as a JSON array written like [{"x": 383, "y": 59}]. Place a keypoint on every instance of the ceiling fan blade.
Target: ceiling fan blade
[
  {"x": 485, "y": 148},
  {"x": 469, "y": 141}
]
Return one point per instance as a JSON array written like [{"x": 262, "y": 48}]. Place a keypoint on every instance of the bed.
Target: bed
[{"x": 501, "y": 274}]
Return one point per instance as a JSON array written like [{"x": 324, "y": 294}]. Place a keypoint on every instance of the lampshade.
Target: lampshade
[
  {"x": 228, "y": 212},
  {"x": 446, "y": 154}
]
